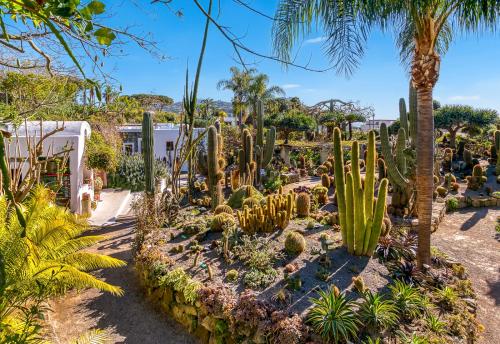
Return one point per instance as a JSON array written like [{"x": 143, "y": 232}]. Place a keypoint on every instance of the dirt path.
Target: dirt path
[
  {"x": 130, "y": 318},
  {"x": 469, "y": 237}
]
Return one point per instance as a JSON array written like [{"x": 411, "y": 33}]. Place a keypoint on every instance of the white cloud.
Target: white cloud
[
  {"x": 315, "y": 40},
  {"x": 463, "y": 98},
  {"x": 289, "y": 86}
]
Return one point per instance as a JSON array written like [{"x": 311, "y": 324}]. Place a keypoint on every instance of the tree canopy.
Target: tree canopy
[
  {"x": 291, "y": 121},
  {"x": 456, "y": 117}
]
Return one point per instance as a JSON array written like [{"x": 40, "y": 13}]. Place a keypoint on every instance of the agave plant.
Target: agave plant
[
  {"x": 407, "y": 299},
  {"x": 377, "y": 313},
  {"x": 333, "y": 317},
  {"x": 48, "y": 261}
]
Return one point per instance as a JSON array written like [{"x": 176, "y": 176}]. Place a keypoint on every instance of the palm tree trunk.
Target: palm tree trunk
[
  {"x": 425, "y": 173},
  {"x": 350, "y": 130},
  {"x": 453, "y": 138}
]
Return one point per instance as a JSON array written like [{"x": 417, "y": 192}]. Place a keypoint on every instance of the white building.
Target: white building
[
  {"x": 375, "y": 124},
  {"x": 76, "y": 179},
  {"x": 165, "y": 137}
]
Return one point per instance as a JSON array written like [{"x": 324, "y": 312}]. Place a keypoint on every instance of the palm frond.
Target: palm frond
[{"x": 93, "y": 337}]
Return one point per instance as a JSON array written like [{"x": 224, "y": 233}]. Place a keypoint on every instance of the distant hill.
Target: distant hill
[{"x": 227, "y": 107}]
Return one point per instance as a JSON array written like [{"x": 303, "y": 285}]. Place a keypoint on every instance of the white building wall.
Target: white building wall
[
  {"x": 375, "y": 124},
  {"x": 53, "y": 145}
]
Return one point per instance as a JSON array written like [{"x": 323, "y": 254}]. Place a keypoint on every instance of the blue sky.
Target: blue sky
[{"x": 470, "y": 71}]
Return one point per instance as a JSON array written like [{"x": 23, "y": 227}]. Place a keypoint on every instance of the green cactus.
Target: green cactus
[
  {"x": 148, "y": 152},
  {"x": 400, "y": 169},
  {"x": 361, "y": 216},
  {"x": 382, "y": 170},
  {"x": 215, "y": 174},
  {"x": 467, "y": 155},
  {"x": 303, "y": 204},
  {"x": 295, "y": 243}
]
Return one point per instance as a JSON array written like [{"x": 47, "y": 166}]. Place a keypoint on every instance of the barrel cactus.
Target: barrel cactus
[
  {"x": 303, "y": 204},
  {"x": 295, "y": 243}
]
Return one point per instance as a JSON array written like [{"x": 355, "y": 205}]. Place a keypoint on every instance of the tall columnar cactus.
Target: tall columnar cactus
[
  {"x": 215, "y": 174},
  {"x": 361, "y": 216},
  {"x": 257, "y": 155},
  {"x": 467, "y": 156},
  {"x": 400, "y": 168},
  {"x": 148, "y": 152},
  {"x": 497, "y": 149}
]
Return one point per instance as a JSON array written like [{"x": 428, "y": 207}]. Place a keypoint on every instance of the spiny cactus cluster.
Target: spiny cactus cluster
[
  {"x": 399, "y": 166},
  {"x": 450, "y": 182},
  {"x": 253, "y": 158},
  {"x": 274, "y": 214},
  {"x": 148, "y": 152},
  {"x": 222, "y": 221},
  {"x": 477, "y": 180},
  {"x": 467, "y": 155},
  {"x": 361, "y": 216}
]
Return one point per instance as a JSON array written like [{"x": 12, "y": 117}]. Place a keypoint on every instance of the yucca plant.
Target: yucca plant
[
  {"x": 377, "y": 313},
  {"x": 48, "y": 261},
  {"x": 333, "y": 317},
  {"x": 407, "y": 299}
]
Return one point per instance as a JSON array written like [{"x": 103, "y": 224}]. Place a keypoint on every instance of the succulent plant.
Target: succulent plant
[
  {"x": 222, "y": 221},
  {"x": 295, "y": 243},
  {"x": 325, "y": 180},
  {"x": 223, "y": 208},
  {"x": 148, "y": 152},
  {"x": 303, "y": 204},
  {"x": 361, "y": 216},
  {"x": 477, "y": 180},
  {"x": 232, "y": 275}
]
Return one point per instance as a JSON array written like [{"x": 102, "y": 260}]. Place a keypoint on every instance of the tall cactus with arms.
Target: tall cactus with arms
[
  {"x": 361, "y": 215},
  {"x": 399, "y": 167},
  {"x": 148, "y": 152}
]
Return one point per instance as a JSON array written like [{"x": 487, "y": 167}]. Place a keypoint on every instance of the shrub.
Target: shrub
[
  {"x": 376, "y": 313},
  {"x": 130, "y": 172},
  {"x": 295, "y": 243},
  {"x": 333, "y": 317},
  {"x": 100, "y": 154},
  {"x": 447, "y": 297},
  {"x": 180, "y": 281}
]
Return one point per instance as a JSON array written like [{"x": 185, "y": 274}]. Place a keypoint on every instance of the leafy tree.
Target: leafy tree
[
  {"x": 333, "y": 119},
  {"x": 292, "y": 121},
  {"x": 153, "y": 102},
  {"x": 456, "y": 117},
  {"x": 100, "y": 154},
  {"x": 423, "y": 31},
  {"x": 39, "y": 96},
  {"x": 354, "y": 118}
]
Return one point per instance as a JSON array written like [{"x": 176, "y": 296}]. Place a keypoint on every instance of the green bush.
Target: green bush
[
  {"x": 130, "y": 173},
  {"x": 99, "y": 154}
]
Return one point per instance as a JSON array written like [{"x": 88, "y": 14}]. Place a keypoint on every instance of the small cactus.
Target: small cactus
[
  {"x": 221, "y": 221},
  {"x": 477, "y": 180},
  {"x": 223, "y": 208},
  {"x": 442, "y": 191},
  {"x": 359, "y": 284},
  {"x": 325, "y": 180},
  {"x": 251, "y": 202},
  {"x": 232, "y": 275},
  {"x": 295, "y": 243},
  {"x": 303, "y": 204}
]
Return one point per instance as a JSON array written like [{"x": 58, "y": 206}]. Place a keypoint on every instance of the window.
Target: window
[
  {"x": 170, "y": 146},
  {"x": 376, "y": 123},
  {"x": 128, "y": 148}
]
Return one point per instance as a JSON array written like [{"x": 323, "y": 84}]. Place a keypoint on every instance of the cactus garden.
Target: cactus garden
[
  {"x": 248, "y": 259},
  {"x": 283, "y": 200}
]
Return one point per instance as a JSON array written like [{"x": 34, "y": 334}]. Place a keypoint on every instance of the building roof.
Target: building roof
[
  {"x": 32, "y": 128},
  {"x": 156, "y": 127}
]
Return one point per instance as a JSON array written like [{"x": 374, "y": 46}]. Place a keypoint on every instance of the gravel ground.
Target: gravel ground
[
  {"x": 469, "y": 237},
  {"x": 130, "y": 318}
]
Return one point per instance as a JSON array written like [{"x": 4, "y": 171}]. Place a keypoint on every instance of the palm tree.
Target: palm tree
[
  {"x": 424, "y": 29},
  {"x": 259, "y": 90},
  {"x": 48, "y": 260},
  {"x": 239, "y": 84}
]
